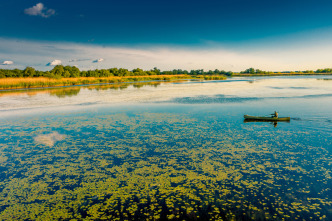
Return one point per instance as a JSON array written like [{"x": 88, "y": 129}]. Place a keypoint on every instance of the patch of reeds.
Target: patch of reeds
[
  {"x": 19, "y": 83},
  {"x": 212, "y": 77}
]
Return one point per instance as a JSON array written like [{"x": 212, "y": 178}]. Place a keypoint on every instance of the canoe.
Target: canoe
[{"x": 267, "y": 118}]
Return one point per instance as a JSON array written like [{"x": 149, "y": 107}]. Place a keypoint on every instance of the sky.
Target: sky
[{"x": 174, "y": 34}]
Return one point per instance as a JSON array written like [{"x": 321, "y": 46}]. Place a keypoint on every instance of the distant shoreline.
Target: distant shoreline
[
  {"x": 44, "y": 82},
  {"x": 277, "y": 74}
]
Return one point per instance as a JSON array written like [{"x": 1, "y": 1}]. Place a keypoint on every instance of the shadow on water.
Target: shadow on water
[
  {"x": 220, "y": 98},
  {"x": 274, "y": 123},
  {"x": 282, "y": 88}
]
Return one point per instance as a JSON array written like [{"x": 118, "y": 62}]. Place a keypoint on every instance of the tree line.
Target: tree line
[
  {"x": 61, "y": 71},
  {"x": 258, "y": 71}
]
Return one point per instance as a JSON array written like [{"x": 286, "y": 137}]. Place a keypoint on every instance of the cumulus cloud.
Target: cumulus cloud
[
  {"x": 306, "y": 55},
  {"x": 39, "y": 10},
  {"x": 49, "y": 139},
  {"x": 7, "y": 62},
  {"x": 54, "y": 63},
  {"x": 98, "y": 60}
]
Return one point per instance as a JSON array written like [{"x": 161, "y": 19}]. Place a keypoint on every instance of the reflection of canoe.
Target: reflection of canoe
[{"x": 267, "y": 118}]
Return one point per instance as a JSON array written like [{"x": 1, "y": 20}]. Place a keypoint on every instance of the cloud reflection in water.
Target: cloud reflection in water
[{"x": 49, "y": 139}]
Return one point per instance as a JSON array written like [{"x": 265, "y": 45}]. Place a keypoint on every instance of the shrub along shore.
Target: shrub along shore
[{"x": 71, "y": 75}]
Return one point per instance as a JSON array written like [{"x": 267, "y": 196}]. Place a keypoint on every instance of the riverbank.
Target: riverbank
[
  {"x": 44, "y": 82},
  {"x": 277, "y": 74}
]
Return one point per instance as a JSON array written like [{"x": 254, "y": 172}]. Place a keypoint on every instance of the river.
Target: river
[{"x": 168, "y": 151}]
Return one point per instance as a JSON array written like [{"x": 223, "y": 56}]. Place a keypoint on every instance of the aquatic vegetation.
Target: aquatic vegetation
[
  {"x": 138, "y": 165},
  {"x": 34, "y": 82}
]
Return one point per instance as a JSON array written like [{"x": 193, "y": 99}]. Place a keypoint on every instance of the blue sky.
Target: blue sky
[{"x": 130, "y": 33}]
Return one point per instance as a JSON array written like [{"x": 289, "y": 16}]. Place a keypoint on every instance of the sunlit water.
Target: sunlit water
[{"x": 168, "y": 150}]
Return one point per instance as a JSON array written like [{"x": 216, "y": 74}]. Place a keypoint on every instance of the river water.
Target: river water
[{"x": 168, "y": 151}]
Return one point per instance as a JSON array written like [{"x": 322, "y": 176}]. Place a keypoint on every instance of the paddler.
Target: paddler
[{"x": 275, "y": 114}]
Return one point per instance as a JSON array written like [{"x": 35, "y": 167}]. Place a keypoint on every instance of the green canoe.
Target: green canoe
[{"x": 267, "y": 118}]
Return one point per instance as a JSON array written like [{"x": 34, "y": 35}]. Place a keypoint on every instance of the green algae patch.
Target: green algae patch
[{"x": 135, "y": 165}]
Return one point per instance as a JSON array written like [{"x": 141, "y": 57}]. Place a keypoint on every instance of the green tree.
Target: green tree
[
  {"x": 29, "y": 72},
  {"x": 104, "y": 73},
  {"x": 58, "y": 71},
  {"x": 2, "y": 73},
  {"x": 156, "y": 70},
  {"x": 74, "y": 72},
  {"x": 138, "y": 72},
  {"x": 123, "y": 72},
  {"x": 249, "y": 71},
  {"x": 114, "y": 71},
  {"x": 66, "y": 74}
]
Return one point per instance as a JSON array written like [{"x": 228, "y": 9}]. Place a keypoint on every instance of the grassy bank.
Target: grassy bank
[
  {"x": 36, "y": 82},
  {"x": 44, "y": 82}
]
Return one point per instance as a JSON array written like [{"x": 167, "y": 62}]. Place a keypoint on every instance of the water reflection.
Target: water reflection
[
  {"x": 122, "y": 86},
  {"x": 49, "y": 139},
  {"x": 68, "y": 92},
  {"x": 58, "y": 92},
  {"x": 232, "y": 91},
  {"x": 274, "y": 123},
  {"x": 75, "y": 90}
]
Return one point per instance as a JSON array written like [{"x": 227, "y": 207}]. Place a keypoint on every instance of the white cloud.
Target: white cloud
[
  {"x": 39, "y": 10},
  {"x": 7, "y": 62},
  {"x": 55, "y": 62},
  {"x": 98, "y": 60},
  {"x": 309, "y": 55}
]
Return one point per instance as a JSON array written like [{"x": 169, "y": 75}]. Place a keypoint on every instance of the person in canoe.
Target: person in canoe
[{"x": 275, "y": 114}]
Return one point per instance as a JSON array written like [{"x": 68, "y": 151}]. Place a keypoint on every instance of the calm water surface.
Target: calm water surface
[{"x": 168, "y": 151}]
